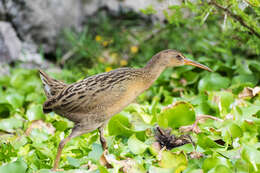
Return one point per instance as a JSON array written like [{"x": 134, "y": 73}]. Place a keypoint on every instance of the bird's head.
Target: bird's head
[{"x": 172, "y": 58}]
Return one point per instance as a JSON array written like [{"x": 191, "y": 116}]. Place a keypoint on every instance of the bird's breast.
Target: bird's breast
[{"x": 126, "y": 95}]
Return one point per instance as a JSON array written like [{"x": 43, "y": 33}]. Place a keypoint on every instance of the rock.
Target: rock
[
  {"x": 4, "y": 69},
  {"x": 10, "y": 45},
  {"x": 41, "y": 22},
  {"x": 2, "y": 11}
]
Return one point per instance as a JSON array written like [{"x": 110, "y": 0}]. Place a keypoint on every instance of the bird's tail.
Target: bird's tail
[{"x": 51, "y": 86}]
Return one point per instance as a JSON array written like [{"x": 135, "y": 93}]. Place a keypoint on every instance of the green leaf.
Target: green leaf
[
  {"x": 136, "y": 146},
  {"x": 34, "y": 112},
  {"x": 39, "y": 135},
  {"x": 205, "y": 142},
  {"x": 172, "y": 160},
  {"x": 5, "y": 110},
  {"x": 179, "y": 114},
  {"x": 252, "y": 156},
  {"x": 15, "y": 99},
  {"x": 73, "y": 162},
  {"x": 213, "y": 82},
  {"x": 10, "y": 124},
  {"x": 210, "y": 163},
  {"x": 191, "y": 77},
  {"x": 154, "y": 169},
  {"x": 244, "y": 80},
  {"x": 120, "y": 125},
  {"x": 96, "y": 152},
  {"x": 221, "y": 101},
  {"x": 223, "y": 169},
  {"x": 60, "y": 125},
  {"x": 18, "y": 166},
  {"x": 236, "y": 131}
]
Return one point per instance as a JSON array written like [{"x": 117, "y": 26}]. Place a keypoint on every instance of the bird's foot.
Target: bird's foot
[
  {"x": 56, "y": 170},
  {"x": 104, "y": 159},
  {"x": 103, "y": 143},
  {"x": 199, "y": 119}
]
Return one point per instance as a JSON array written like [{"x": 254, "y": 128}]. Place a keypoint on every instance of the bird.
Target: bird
[{"x": 91, "y": 102}]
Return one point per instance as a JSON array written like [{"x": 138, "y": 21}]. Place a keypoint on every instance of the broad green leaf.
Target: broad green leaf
[
  {"x": 96, "y": 152},
  {"x": 223, "y": 169},
  {"x": 34, "y": 112},
  {"x": 173, "y": 160},
  {"x": 236, "y": 131},
  {"x": 5, "y": 110},
  {"x": 10, "y": 124},
  {"x": 213, "y": 82},
  {"x": 18, "y": 166},
  {"x": 244, "y": 80},
  {"x": 39, "y": 135},
  {"x": 179, "y": 114},
  {"x": 60, "y": 125},
  {"x": 205, "y": 142},
  {"x": 73, "y": 162},
  {"x": 250, "y": 110},
  {"x": 15, "y": 99},
  {"x": 221, "y": 101},
  {"x": 252, "y": 156},
  {"x": 154, "y": 169},
  {"x": 191, "y": 77},
  {"x": 210, "y": 163},
  {"x": 136, "y": 146},
  {"x": 120, "y": 125}
]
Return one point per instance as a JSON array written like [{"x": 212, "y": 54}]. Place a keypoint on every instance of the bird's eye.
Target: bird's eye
[{"x": 179, "y": 57}]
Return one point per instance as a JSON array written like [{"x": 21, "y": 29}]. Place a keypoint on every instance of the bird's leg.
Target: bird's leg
[
  {"x": 75, "y": 132},
  {"x": 102, "y": 138},
  {"x": 103, "y": 159},
  {"x": 61, "y": 146}
]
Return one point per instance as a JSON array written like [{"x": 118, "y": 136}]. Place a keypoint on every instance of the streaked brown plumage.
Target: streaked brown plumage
[{"x": 90, "y": 103}]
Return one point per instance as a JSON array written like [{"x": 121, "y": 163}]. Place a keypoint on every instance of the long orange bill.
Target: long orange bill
[{"x": 193, "y": 63}]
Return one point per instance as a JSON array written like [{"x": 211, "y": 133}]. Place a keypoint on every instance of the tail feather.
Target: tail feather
[{"x": 51, "y": 86}]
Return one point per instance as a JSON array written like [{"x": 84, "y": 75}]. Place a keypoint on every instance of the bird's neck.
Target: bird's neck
[{"x": 153, "y": 69}]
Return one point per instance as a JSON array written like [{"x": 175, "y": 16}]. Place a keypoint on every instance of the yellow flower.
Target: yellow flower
[
  {"x": 113, "y": 55},
  {"x": 123, "y": 62},
  {"x": 134, "y": 49},
  {"x": 180, "y": 168},
  {"x": 105, "y": 43},
  {"x": 98, "y": 38},
  {"x": 101, "y": 59},
  {"x": 108, "y": 69}
]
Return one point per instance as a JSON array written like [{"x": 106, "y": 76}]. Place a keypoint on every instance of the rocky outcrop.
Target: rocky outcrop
[
  {"x": 10, "y": 45},
  {"x": 40, "y": 22}
]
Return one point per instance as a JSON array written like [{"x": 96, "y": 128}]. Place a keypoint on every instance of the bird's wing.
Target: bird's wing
[
  {"x": 51, "y": 86},
  {"x": 83, "y": 95}
]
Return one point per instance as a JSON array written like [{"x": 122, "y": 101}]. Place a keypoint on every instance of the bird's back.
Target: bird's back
[{"x": 104, "y": 94}]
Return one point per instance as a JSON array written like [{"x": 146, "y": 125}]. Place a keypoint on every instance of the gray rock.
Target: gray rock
[
  {"x": 40, "y": 22},
  {"x": 10, "y": 45},
  {"x": 2, "y": 11},
  {"x": 4, "y": 69}
]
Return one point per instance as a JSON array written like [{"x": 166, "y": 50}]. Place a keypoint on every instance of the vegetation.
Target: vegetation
[{"x": 222, "y": 35}]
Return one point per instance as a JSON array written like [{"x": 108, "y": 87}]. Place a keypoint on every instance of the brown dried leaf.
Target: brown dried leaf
[
  {"x": 40, "y": 124},
  {"x": 90, "y": 166},
  {"x": 190, "y": 128},
  {"x": 249, "y": 92},
  {"x": 195, "y": 155}
]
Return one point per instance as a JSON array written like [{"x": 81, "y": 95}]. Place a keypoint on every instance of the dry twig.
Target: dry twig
[{"x": 236, "y": 17}]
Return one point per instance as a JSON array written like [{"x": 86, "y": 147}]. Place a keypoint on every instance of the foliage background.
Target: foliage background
[{"x": 224, "y": 35}]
